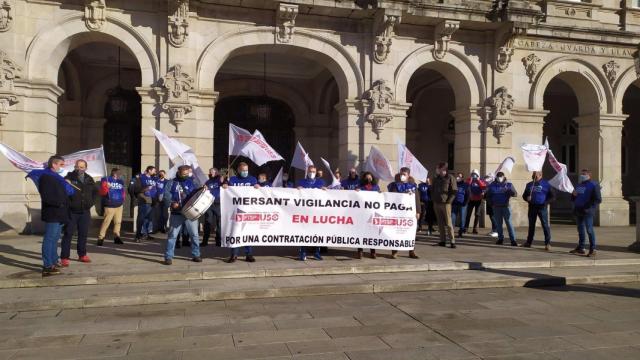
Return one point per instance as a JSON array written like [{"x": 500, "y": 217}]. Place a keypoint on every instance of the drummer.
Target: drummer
[
  {"x": 242, "y": 179},
  {"x": 181, "y": 187}
]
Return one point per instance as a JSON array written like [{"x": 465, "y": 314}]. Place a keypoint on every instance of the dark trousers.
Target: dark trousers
[
  {"x": 79, "y": 222},
  {"x": 541, "y": 212},
  {"x": 212, "y": 217},
  {"x": 427, "y": 215},
  {"x": 144, "y": 221},
  {"x": 475, "y": 206}
]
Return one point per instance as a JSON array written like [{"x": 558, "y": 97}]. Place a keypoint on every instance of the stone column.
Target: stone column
[
  {"x": 614, "y": 210},
  {"x": 204, "y": 103},
  {"x": 30, "y": 128},
  {"x": 469, "y": 140},
  {"x": 151, "y": 117},
  {"x": 636, "y": 245},
  {"x": 350, "y": 134}
]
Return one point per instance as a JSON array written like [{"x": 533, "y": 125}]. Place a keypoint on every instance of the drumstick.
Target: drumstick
[{"x": 77, "y": 188}]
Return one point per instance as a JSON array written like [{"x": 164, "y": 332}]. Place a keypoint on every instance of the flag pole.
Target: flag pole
[{"x": 104, "y": 161}]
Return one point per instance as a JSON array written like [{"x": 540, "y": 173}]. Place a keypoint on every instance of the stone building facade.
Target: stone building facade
[{"x": 464, "y": 81}]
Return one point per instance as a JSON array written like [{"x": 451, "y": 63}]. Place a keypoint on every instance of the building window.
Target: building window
[{"x": 569, "y": 157}]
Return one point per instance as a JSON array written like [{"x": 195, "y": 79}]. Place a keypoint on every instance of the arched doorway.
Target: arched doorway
[
  {"x": 430, "y": 125},
  {"x": 630, "y": 162}
]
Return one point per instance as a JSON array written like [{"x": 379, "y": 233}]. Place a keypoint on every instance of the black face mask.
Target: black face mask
[{"x": 367, "y": 181}]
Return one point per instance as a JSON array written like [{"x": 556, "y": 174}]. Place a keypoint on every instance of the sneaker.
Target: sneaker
[
  {"x": 118, "y": 241},
  {"x": 317, "y": 256},
  {"x": 48, "y": 271},
  {"x": 149, "y": 237},
  {"x": 302, "y": 258},
  {"x": 429, "y": 232},
  {"x": 453, "y": 246},
  {"x": 526, "y": 244},
  {"x": 197, "y": 259},
  {"x": 547, "y": 248},
  {"x": 591, "y": 253},
  {"x": 394, "y": 254},
  {"x": 231, "y": 259},
  {"x": 442, "y": 243},
  {"x": 250, "y": 258},
  {"x": 514, "y": 244},
  {"x": 100, "y": 242},
  {"x": 167, "y": 262},
  {"x": 493, "y": 234},
  {"x": 577, "y": 251},
  {"x": 64, "y": 262},
  {"x": 138, "y": 240},
  {"x": 84, "y": 259},
  {"x": 412, "y": 254}
]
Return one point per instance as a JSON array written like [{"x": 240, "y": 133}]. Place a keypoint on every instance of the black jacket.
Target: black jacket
[
  {"x": 84, "y": 197},
  {"x": 55, "y": 202}
]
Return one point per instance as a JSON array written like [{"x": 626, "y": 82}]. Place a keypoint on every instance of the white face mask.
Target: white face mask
[
  {"x": 500, "y": 179},
  {"x": 285, "y": 177},
  {"x": 403, "y": 178},
  {"x": 311, "y": 175}
]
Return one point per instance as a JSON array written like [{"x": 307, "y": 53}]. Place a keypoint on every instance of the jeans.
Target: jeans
[
  {"x": 586, "y": 221},
  {"x": 475, "y": 206},
  {"x": 303, "y": 251},
  {"x": 144, "y": 222},
  {"x": 80, "y": 222},
  {"x": 162, "y": 217},
  {"x": 539, "y": 211},
  {"x": 50, "y": 243},
  {"x": 212, "y": 216},
  {"x": 459, "y": 211},
  {"x": 176, "y": 223},
  {"x": 503, "y": 213}
]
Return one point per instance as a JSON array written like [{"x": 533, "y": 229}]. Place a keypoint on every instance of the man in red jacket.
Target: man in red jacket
[{"x": 477, "y": 188}]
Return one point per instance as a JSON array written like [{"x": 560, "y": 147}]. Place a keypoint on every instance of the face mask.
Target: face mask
[
  {"x": 311, "y": 175},
  {"x": 60, "y": 170},
  {"x": 500, "y": 179},
  {"x": 475, "y": 176},
  {"x": 285, "y": 177},
  {"x": 368, "y": 180},
  {"x": 244, "y": 173},
  {"x": 583, "y": 178},
  {"x": 459, "y": 179},
  {"x": 262, "y": 180},
  {"x": 403, "y": 178}
]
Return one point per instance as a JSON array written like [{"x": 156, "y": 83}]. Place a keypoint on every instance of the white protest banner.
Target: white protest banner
[
  {"x": 96, "y": 166},
  {"x": 406, "y": 159},
  {"x": 561, "y": 181},
  {"x": 534, "y": 156},
  {"x": 313, "y": 217},
  {"x": 180, "y": 154},
  {"x": 301, "y": 159},
  {"x": 277, "y": 181},
  {"x": 335, "y": 182},
  {"x": 19, "y": 160},
  {"x": 378, "y": 165},
  {"x": 254, "y": 146}
]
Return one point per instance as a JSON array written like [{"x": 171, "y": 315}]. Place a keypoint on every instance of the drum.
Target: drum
[{"x": 198, "y": 204}]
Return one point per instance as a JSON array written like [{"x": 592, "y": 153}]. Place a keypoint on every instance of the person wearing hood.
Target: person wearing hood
[
  {"x": 498, "y": 194},
  {"x": 367, "y": 183},
  {"x": 477, "y": 188},
  {"x": 182, "y": 188},
  {"x": 405, "y": 184},
  {"x": 445, "y": 189},
  {"x": 459, "y": 205},
  {"x": 79, "y": 213},
  {"x": 352, "y": 181},
  {"x": 311, "y": 181}
]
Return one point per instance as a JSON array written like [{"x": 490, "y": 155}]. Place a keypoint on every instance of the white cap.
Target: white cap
[{"x": 475, "y": 171}]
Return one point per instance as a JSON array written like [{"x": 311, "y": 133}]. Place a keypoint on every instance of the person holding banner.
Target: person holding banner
[
  {"x": 444, "y": 192},
  {"x": 212, "y": 216},
  {"x": 285, "y": 181},
  {"x": 538, "y": 194},
  {"x": 320, "y": 178},
  {"x": 586, "y": 198},
  {"x": 113, "y": 195},
  {"x": 367, "y": 183},
  {"x": 459, "y": 205},
  {"x": 145, "y": 191},
  {"x": 426, "y": 209},
  {"x": 181, "y": 188},
  {"x": 352, "y": 182},
  {"x": 242, "y": 179},
  {"x": 263, "y": 181},
  {"x": 477, "y": 188},
  {"x": 80, "y": 206},
  {"x": 54, "y": 194},
  {"x": 311, "y": 181},
  {"x": 405, "y": 184},
  {"x": 498, "y": 194}
]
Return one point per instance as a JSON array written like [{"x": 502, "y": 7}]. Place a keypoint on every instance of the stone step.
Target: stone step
[
  {"x": 109, "y": 295},
  {"x": 164, "y": 274}
]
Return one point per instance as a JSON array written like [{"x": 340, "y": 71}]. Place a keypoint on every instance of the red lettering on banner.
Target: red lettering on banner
[
  {"x": 263, "y": 145},
  {"x": 300, "y": 219},
  {"x": 332, "y": 219}
]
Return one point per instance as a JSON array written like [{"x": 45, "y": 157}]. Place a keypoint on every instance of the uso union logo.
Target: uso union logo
[
  {"x": 393, "y": 221},
  {"x": 255, "y": 217}
]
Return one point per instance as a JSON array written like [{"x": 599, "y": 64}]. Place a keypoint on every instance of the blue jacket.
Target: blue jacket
[
  {"x": 350, "y": 184},
  {"x": 400, "y": 187},
  {"x": 160, "y": 184},
  {"x": 499, "y": 193},
  {"x": 181, "y": 189},
  {"x": 113, "y": 191},
  {"x": 425, "y": 192},
  {"x": 462, "y": 196},
  {"x": 307, "y": 183},
  {"x": 369, "y": 187},
  {"x": 587, "y": 197},
  {"x": 240, "y": 181},
  {"x": 287, "y": 184},
  {"x": 214, "y": 184},
  {"x": 265, "y": 184},
  {"x": 540, "y": 191}
]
